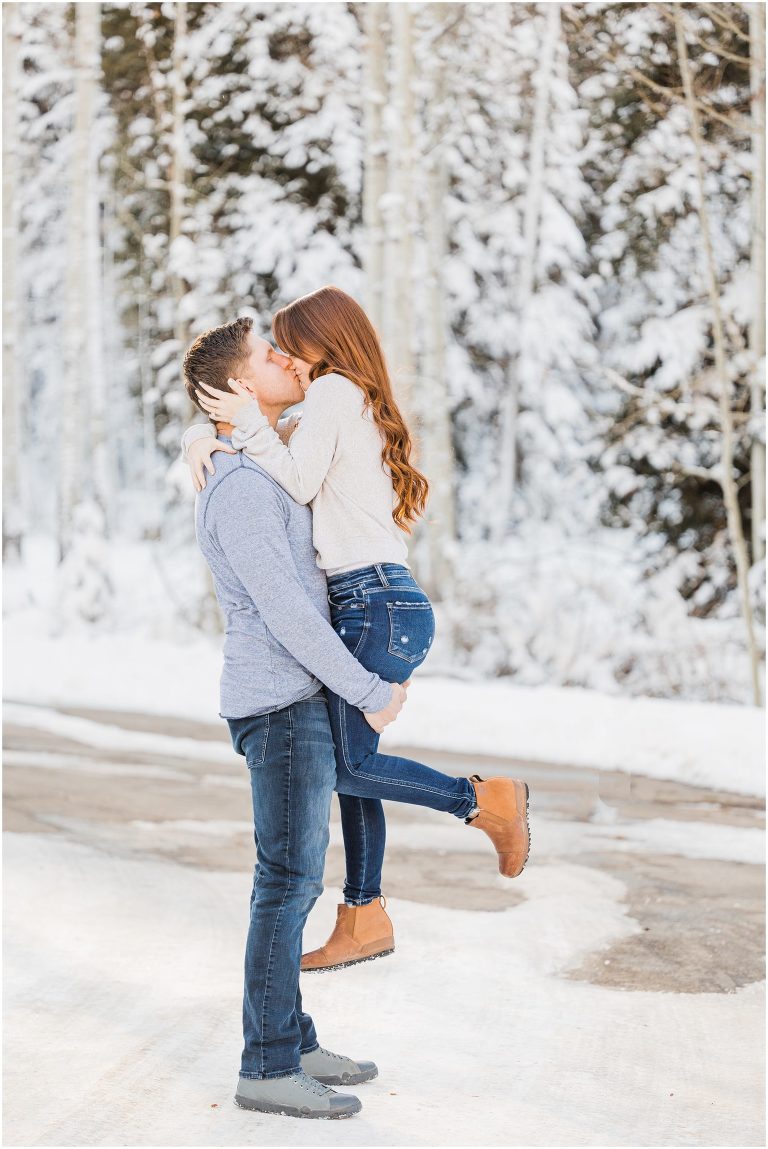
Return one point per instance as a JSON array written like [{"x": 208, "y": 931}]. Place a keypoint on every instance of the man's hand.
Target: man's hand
[
  {"x": 383, "y": 718},
  {"x": 199, "y": 454}
]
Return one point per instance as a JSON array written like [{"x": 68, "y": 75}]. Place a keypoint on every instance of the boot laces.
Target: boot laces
[
  {"x": 330, "y": 1053},
  {"x": 311, "y": 1085}
]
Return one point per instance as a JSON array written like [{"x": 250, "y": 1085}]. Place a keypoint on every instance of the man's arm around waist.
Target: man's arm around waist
[{"x": 247, "y": 521}]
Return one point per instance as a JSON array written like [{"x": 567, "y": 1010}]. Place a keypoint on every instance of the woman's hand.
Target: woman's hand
[
  {"x": 221, "y": 405},
  {"x": 199, "y": 454}
]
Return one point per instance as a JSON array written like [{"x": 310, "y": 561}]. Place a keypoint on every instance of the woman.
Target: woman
[{"x": 349, "y": 456}]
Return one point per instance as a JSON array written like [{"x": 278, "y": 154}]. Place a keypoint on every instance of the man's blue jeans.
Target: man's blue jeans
[
  {"x": 292, "y": 770},
  {"x": 385, "y": 619}
]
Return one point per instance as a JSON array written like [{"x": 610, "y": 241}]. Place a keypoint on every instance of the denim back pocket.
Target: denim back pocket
[
  {"x": 249, "y": 737},
  {"x": 411, "y": 630}
]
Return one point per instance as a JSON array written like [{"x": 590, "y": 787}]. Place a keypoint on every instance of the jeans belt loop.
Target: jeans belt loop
[{"x": 380, "y": 573}]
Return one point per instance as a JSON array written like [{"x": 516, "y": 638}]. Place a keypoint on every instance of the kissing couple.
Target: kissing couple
[{"x": 303, "y": 523}]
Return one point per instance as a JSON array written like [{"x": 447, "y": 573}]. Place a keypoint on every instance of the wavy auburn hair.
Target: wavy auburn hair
[{"x": 332, "y": 332}]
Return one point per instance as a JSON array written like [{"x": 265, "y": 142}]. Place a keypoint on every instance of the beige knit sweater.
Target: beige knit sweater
[{"x": 332, "y": 460}]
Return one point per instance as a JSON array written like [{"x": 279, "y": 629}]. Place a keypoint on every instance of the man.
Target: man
[{"x": 279, "y": 651}]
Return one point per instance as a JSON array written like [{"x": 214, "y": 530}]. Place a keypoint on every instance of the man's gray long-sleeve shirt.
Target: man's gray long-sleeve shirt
[{"x": 279, "y": 645}]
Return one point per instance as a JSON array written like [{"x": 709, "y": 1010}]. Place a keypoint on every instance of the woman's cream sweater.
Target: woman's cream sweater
[{"x": 332, "y": 460}]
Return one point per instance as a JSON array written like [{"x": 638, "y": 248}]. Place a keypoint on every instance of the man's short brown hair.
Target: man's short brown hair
[{"x": 216, "y": 356}]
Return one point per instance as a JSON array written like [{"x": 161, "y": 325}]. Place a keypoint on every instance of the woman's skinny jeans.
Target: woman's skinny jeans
[{"x": 385, "y": 619}]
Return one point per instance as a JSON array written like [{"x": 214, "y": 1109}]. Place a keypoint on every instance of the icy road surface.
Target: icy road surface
[{"x": 613, "y": 994}]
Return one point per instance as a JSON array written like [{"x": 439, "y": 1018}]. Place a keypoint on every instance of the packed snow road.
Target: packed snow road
[{"x": 611, "y": 994}]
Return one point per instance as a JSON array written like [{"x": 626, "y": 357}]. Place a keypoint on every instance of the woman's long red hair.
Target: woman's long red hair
[{"x": 331, "y": 323}]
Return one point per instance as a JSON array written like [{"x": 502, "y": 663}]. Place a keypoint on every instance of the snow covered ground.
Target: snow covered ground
[
  {"x": 500, "y": 1024},
  {"x": 123, "y": 1001},
  {"x": 612, "y": 994},
  {"x": 705, "y": 744}
]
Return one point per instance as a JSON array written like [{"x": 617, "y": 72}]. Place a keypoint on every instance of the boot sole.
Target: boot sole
[
  {"x": 527, "y": 827},
  {"x": 292, "y": 1110},
  {"x": 527, "y": 835},
  {"x": 347, "y": 964},
  {"x": 517, "y": 873}
]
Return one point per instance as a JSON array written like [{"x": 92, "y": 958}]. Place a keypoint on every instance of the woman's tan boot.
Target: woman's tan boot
[
  {"x": 361, "y": 933},
  {"x": 503, "y": 815}
]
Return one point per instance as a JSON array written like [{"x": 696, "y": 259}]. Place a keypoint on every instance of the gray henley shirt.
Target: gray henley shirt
[{"x": 279, "y": 645}]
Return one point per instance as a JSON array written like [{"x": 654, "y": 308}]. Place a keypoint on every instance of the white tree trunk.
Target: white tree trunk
[
  {"x": 148, "y": 400},
  {"x": 398, "y": 314},
  {"x": 178, "y": 175},
  {"x": 13, "y": 385},
  {"x": 437, "y": 457},
  {"x": 508, "y": 462},
  {"x": 101, "y": 382},
  {"x": 730, "y": 491},
  {"x": 113, "y": 355},
  {"x": 81, "y": 315},
  {"x": 375, "y": 173},
  {"x": 757, "y": 327}
]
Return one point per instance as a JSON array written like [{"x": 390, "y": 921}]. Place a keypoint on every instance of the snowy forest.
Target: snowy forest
[{"x": 554, "y": 215}]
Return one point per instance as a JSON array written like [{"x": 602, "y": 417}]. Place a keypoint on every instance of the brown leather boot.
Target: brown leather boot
[
  {"x": 361, "y": 933},
  {"x": 503, "y": 816}
]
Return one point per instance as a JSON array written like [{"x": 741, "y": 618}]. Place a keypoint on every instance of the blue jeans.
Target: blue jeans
[
  {"x": 292, "y": 769},
  {"x": 385, "y": 619}
]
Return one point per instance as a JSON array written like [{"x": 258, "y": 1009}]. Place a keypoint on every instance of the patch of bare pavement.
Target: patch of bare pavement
[{"x": 701, "y": 919}]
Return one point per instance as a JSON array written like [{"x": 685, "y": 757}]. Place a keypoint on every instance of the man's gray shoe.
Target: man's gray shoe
[
  {"x": 296, "y": 1095},
  {"x": 333, "y": 1069}
]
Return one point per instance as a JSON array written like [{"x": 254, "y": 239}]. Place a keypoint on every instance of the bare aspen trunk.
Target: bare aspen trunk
[
  {"x": 178, "y": 177},
  {"x": 438, "y": 456},
  {"x": 148, "y": 404},
  {"x": 178, "y": 182},
  {"x": 375, "y": 173},
  {"x": 730, "y": 492},
  {"x": 13, "y": 384},
  {"x": 79, "y": 286},
  {"x": 99, "y": 383},
  {"x": 398, "y": 315},
  {"x": 757, "y": 327},
  {"x": 508, "y": 462},
  {"x": 111, "y": 349}
]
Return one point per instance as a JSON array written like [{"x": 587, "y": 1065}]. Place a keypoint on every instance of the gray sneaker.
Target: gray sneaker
[
  {"x": 333, "y": 1069},
  {"x": 296, "y": 1095}
]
